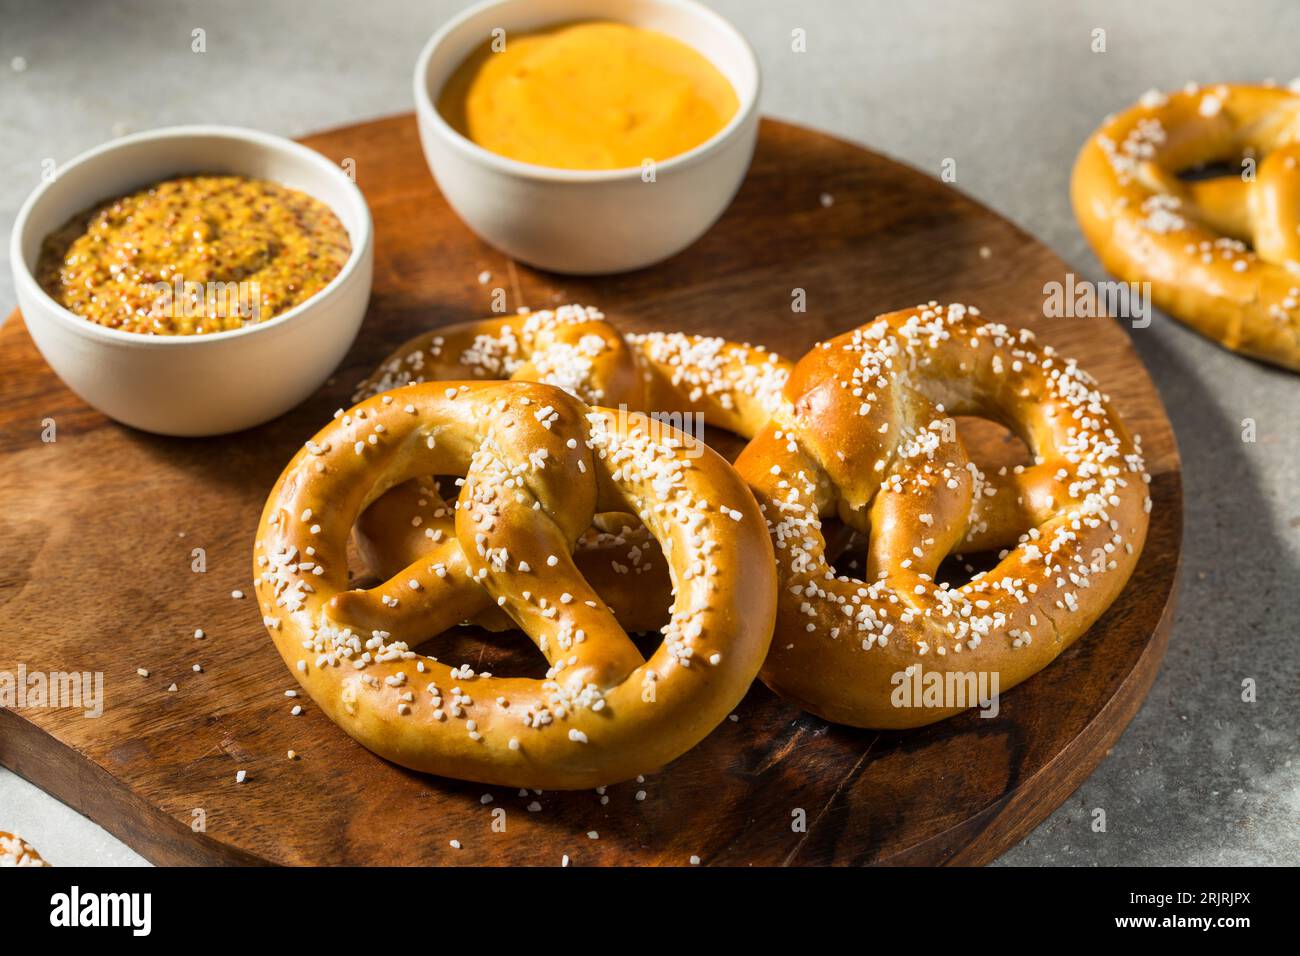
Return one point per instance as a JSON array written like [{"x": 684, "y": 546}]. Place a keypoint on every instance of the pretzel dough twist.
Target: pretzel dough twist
[
  {"x": 1222, "y": 254},
  {"x": 864, "y": 433},
  {"x": 734, "y": 386},
  {"x": 538, "y": 464},
  {"x": 730, "y": 385}
]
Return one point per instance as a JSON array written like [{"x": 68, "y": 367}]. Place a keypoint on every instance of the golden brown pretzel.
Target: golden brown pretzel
[
  {"x": 1222, "y": 254},
  {"x": 539, "y": 464},
  {"x": 729, "y": 385},
  {"x": 733, "y": 385},
  {"x": 15, "y": 851},
  {"x": 865, "y": 432}
]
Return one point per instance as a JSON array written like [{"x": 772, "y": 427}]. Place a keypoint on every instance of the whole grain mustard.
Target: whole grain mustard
[{"x": 195, "y": 254}]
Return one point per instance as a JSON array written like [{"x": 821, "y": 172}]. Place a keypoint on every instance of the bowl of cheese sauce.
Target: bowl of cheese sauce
[
  {"x": 588, "y": 136},
  {"x": 594, "y": 95}
]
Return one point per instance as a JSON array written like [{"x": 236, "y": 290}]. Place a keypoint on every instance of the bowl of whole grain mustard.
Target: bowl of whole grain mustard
[
  {"x": 194, "y": 280},
  {"x": 588, "y": 136}
]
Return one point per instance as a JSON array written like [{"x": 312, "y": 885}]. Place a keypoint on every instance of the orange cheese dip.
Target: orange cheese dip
[
  {"x": 589, "y": 95},
  {"x": 194, "y": 254}
]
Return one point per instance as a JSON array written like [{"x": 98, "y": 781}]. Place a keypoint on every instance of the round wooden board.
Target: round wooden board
[{"x": 98, "y": 530}]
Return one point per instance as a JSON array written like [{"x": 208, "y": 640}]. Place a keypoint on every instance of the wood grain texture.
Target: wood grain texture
[{"x": 97, "y": 530}]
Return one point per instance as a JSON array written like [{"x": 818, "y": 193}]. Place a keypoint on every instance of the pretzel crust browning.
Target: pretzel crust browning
[
  {"x": 15, "y": 851},
  {"x": 682, "y": 379},
  {"x": 538, "y": 465},
  {"x": 733, "y": 385},
  {"x": 864, "y": 433},
  {"x": 1222, "y": 254},
  {"x": 619, "y": 558}
]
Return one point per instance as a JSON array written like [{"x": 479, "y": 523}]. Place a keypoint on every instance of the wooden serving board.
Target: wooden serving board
[{"x": 97, "y": 531}]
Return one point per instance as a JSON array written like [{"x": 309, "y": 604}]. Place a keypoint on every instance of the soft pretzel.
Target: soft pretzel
[
  {"x": 538, "y": 466},
  {"x": 864, "y": 433},
  {"x": 733, "y": 386},
  {"x": 15, "y": 851},
  {"x": 1222, "y": 254}
]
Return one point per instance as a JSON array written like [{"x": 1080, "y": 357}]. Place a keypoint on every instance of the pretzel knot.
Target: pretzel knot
[
  {"x": 865, "y": 433},
  {"x": 1222, "y": 253},
  {"x": 538, "y": 465},
  {"x": 683, "y": 378}
]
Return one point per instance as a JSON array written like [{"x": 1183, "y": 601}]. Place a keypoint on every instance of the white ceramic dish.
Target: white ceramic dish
[
  {"x": 598, "y": 221},
  {"x": 194, "y": 384}
]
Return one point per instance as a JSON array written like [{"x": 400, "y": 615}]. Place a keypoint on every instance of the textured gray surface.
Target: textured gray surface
[{"x": 1008, "y": 89}]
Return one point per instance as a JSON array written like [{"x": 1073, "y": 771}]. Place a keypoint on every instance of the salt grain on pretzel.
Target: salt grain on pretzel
[
  {"x": 732, "y": 386},
  {"x": 603, "y": 713},
  {"x": 1222, "y": 254},
  {"x": 575, "y": 348},
  {"x": 1072, "y": 525},
  {"x": 15, "y": 851}
]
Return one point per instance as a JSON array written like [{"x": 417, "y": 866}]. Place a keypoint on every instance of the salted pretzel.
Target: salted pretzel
[
  {"x": 1222, "y": 254},
  {"x": 733, "y": 386},
  {"x": 538, "y": 466},
  {"x": 865, "y": 434},
  {"x": 15, "y": 851}
]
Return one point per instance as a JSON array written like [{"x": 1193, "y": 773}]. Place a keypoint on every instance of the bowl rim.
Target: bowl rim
[
  {"x": 427, "y": 110},
  {"x": 361, "y": 243}
]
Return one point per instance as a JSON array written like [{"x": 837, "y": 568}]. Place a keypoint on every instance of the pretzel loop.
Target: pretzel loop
[{"x": 734, "y": 385}]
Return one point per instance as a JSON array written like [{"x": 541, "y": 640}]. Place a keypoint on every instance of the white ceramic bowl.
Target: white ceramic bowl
[
  {"x": 599, "y": 221},
  {"x": 195, "y": 384}
]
